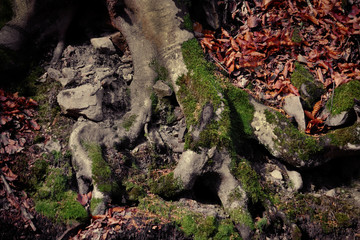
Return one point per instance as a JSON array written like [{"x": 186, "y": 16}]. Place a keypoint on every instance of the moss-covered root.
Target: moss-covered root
[{"x": 283, "y": 139}]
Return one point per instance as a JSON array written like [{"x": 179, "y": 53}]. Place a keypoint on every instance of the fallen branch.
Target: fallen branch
[{"x": 11, "y": 197}]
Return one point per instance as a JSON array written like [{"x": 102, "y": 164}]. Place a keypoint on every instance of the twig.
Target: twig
[
  {"x": 27, "y": 216},
  {"x": 332, "y": 96}
]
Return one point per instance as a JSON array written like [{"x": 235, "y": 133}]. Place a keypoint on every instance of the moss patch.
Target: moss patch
[
  {"x": 344, "y": 97},
  {"x": 199, "y": 86},
  {"x": 101, "y": 170},
  {"x": 302, "y": 77},
  {"x": 166, "y": 186},
  {"x": 241, "y": 216},
  {"x": 128, "y": 122},
  {"x": 343, "y": 136},
  {"x": 326, "y": 213},
  {"x": 194, "y": 225},
  {"x": 292, "y": 143},
  {"x": 54, "y": 199},
  {"x": 250, "y": 181},
  {"x": 296, "y": 38}
]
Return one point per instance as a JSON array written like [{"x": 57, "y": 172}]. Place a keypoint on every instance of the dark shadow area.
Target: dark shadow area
[
  {"x": 205, "y": 187},
  {"x": 338, "y": 172}
]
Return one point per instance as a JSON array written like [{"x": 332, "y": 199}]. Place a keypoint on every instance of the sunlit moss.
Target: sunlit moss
[
  {"x": 101, "y": 171},
  {"x": 344, "y": 97}
]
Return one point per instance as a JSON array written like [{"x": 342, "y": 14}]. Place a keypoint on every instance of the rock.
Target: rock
[
  {"x": 190, "y": 166},
  {"x": 293, "y": 107},
  {"x": 85, "y": 100},
  {"x": 103, "y": 45},
  {"x": 69, "y": 76},
  {"x": 331, "y": 193},
  {"x": 296, "y": 181},
  {"x": 127, "y": 74},
  {"x": 68, "y": 72},
  {"x": 51, "y": 146},
  {"x": 162, "y": 89},
  {"x": 193, "y": 165},
  {"x": 84, "y": 130},
  {"x": 341, "y": 119},
  {"x": 101, "y": 73},
  {"x": 87, "y": 70},
  {"x": 54, "y": 74},
  {"x": 276, "y": 174}
]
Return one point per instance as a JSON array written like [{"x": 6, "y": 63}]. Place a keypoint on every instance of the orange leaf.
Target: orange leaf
[
  {"x": 309, "y": 115},
  {"x": 234, "y": 45}
]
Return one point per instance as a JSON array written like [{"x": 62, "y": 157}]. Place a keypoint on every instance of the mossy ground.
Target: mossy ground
[
  {"x": 329, "y": 215},
  {"x": 52, "y": 190},
  {"x": 194, "y": 225},
  {"x": 201, "y": 87},
  {"x": 344, "y": 97},
  {"x": 101, "y": 170},
  {"x": 343, "y": 136},
  {"x": 292, "y": 143},
  {"x": 302, "y": 76}
]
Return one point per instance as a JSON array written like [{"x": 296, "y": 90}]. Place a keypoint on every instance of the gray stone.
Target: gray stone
[
  {"x": 276, "y": 174},
  {"x": 68, "y": 73},
  {"x": 331, "y": 193},
  {"x": 54, "y": 74},
  {"x": 85, "y": 100},
  {"x": 162, "y": 89},
  {"x": 193, "y": 165},
  {"x": 103, "y": 45},
  {"x": 341, "y": 118},
  {"x": 88, "y": 132},
  {"x": 296, "y": 180},
  {"x": 69, "y": 76},
  {"x": 51, "y": 146},
  {"x": 190, "y": 166},
  {"x": 101, "y": 73},
  {"x": 293, "y": 107}
]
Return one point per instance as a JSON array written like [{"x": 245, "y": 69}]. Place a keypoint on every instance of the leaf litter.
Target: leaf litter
[{"x": 264, "y": 39}]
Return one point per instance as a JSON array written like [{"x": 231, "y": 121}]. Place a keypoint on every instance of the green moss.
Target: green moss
[
  {"x": 292, "y": 143},
  {"x": 66, "y": 209},
  {"x": 162, "y": 72},
  {"x": 261, "y": 224},
  {"x": 331, "y": 214},
  {"x": 54, "y": 200},
  {"x": 242, "y": 111},
  {"x": 56, "y": 182},
  {"x": 188, "y": 225},
  {"x": 296, "y": 38},
  {"x": 101, "y": 170},
  {"x": 226, "y": 231},
  {"x": 134, "y": 190},
  {"x": 344, "y": 97},
  {"x": 188, "y": 24},
  {"x": 192, "y": 224},
  {"x": 199, "y": 87},
  {"x": 301, "y": 75},
  {"x": 314, "y": 90},
  {"x": 47, "y": 207},
  {"x": 241, "y": 216},
  {"x": 206, "y": 229},
  {"x": 70, "y": 209},
  {"x": 94, "y": 203},
  {"x": 129, "y": 122},
  {"x": 341, "y": 137},
  {"x": 167, "y": 186},
  {"x": 154, "y": 103},
  {"x": 250, "y": 181}
]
